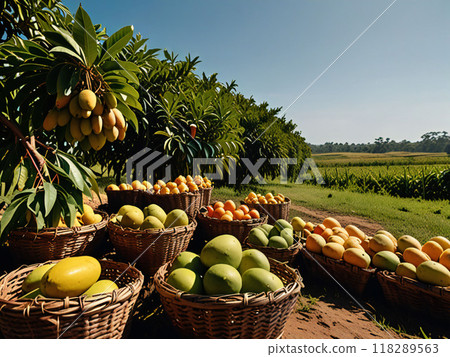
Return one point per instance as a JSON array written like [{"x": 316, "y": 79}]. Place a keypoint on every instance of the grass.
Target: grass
[{"x": 420, "y": 218}]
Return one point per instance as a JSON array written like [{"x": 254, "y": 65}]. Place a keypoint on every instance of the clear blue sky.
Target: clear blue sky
[{"x": 394, "y": 82}]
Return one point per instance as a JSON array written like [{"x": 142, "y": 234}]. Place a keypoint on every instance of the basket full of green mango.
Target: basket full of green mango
[
  {"x": 76, "y": 297},
  {"x": 227, "y": 292},
  {"x": 150, "y": 237}
]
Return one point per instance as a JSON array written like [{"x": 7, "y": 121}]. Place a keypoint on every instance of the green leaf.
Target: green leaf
[
  {"x": 128, "y": 114},
  {"x": 23, "y": 177},
  {"x": 50, "y": 197},
  {"x": 116, "y": 42},
  {"x": 66, "y": 51},
  {"x": 74, "y": 173},
  {"x": 13, "y": 216},
  {"x": 52, "y": 78},
  {"x": 84, "y": 34},
  {"x": 64, "y": 84}
]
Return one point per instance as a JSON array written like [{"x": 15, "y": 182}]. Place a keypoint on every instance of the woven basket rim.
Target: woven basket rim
[
  {"x": 202, "y": 215},
  {"x": 73, "y": 304},
  {"x": 404, "y": 280},
  {"x": 231, "y": 300},
  {"x": 287, "y": 200},
  {"x": 341, "y": 262},
  {"x": 152, "y": 231},
  {"x": 195, "y": 193},
  {"x": 58, "y": 231}
]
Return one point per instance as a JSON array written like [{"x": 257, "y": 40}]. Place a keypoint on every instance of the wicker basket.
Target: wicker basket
[
  {"x": 274, "y": 211},
  {"x": 190, "y": 202},
  {"x": 205, "y": 196},
  {"x": 261, "y": 315},
  {"x": 212, "y": 227},
  {"x": 412, "y": 294},
  {"x": 117, "y": 199},
  {"x": 102, "y": 316},
  {"x": 28, "y": 246},
  {"x": 151, "y": 248},
  {"x": 286, "y": 255},
  {"x": 351, "y": 277}
]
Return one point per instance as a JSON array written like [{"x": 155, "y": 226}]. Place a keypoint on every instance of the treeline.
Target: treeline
[{"x": 434, "y": 141}]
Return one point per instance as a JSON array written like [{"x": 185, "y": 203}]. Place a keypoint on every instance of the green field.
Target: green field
[{"x": 389, "y": 158}]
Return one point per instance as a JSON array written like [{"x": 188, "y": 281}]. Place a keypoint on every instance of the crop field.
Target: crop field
[{"x": 399, "y": 174}]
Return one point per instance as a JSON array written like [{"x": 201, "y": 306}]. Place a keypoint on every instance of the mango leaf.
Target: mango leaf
[
  {"x": 116, "y": 42},
  {"x": 85, "y": 35},
  {"x": 64, "y": 83},
  {"x": 23, "y": 177},
  {"x": 66, "y": 51},
  {"x": 74, "y": 173},
  {"x": 109, "y": 66},
  {"x": 13, "y": 216},
  {"x": 52, "y": 78},
  {"x": 50, "y": 197},
  {"x": 128, "y": 113}
]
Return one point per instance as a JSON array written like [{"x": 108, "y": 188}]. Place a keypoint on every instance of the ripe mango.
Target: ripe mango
[
  {"x": 85, "y": 113},
  {"x": 122, "y": 133},
  {"x": 109, "y": 119},
  {"x": 353, "y": 242},
  {"x": 75, "y": 129},
  {"x": 120, "y": 120},
  {"x": 87, "y": 99},
  {"x": 443, "y": 242},
  {"x": 111, "y": 134},
  {"x": 132, "y": 218},
  {"x": 433, "y": 249},
  {"x": 110, "y": 100},
  {"x": 97, "y": 124},
  {"x": 381, "y": 242},
  {"x": 63, "y": 117},
  {"x": 407, "y": 241},
  {"x": 333, "y": 250},
  {"x": 33, "y": 280},
  {"x": 74, "y": 107},
  {"x": 434, "y": 273},
  {"x": 354, "y": 231},
  {"x": 331, "y": 222},
  {"x": 415, "y": 256},
  {"x": 155, "y": 211},
  {"x": 444, "y": 259},
  {"x": 88, "y": 216},
  {"x": 151, "y": 222},
  {"x": 357, "y": 257},
  {"x": 51, "y": 120},
  {"x": 62, "y": 100},
  {"x": 298, "y": 224},
  {"x": 101, "y": 287},
  {"x": 389, "y": 235},
  {"x": 97, "y": 141},
  {"x": 85, "y": 126},
  {"x": 315, "y": 243},
  {"x": 406, "y": 269},
  {"x": 98, "y": 110},
  {"x": 70, "y": 277}
]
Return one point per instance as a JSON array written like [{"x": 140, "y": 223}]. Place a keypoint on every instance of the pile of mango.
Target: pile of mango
[
  {"x": 222, "y": 268},
  {"x": 181, "y": 184},
  {"x": 151, "y": 217},
  {"x": 82, "y": 219},
  {"x": 70, "y": 277},
  {"x": 268, "y": 198},
  {"x": 405, "y": 256},
  {"x": 280, "y": 235},
  {"x": 89, "y": 119},
  {"x": 228, "y": 211},
  {"x": 135, "y": 185}
]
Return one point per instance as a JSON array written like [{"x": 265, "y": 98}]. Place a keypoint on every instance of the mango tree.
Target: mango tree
[{"x": 61, "y": 91}]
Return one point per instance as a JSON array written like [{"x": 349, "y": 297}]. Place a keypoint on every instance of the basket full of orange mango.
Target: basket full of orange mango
[
  {"x": 228, "y": 218},
  {"x": 275, "y": 206}
]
